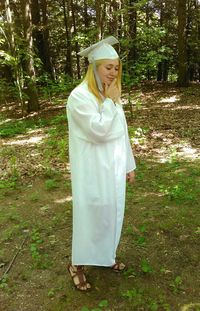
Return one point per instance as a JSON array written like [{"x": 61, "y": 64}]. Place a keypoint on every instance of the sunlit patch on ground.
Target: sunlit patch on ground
[
  {"x": 5, "y": 121},
  {"x": 176, "y": 151},
  {"x": 37, "y": 137},
  {"x": 163, "y": 145},
  {"x": 171, "y": 99},
  {"x": 183, "y": 107},
  {"x": 63, "y": 200},
  {"x": 31, "y": 140}
]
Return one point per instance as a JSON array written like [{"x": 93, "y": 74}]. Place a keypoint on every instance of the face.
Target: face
[{"x": 108, "y": 71}]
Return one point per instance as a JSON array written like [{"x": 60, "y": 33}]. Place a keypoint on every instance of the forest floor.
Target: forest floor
[{"x": 160, "y": 242}]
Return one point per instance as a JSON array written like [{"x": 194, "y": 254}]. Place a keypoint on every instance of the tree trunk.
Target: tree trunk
[
  {"x": 120, "y": 20},
  {"x": 103, "y": 18},
  {"x": 46, "y": 48},
  {"x": 68, "y": 67},
  {"x": 162, "y": 73},
  {"x": 12, "y": 49},
  {"x": 159, "y": 71},
  {"x": 197, "y": 10},
  {"x": 76, "y": 43},
  {"x": 98, "y": 19},
  {"x": 182, "y": 45},
  {"x": 160, "y": 64},
  {"x": 86, "y": 22},
  {"x": 41, "y": 34},
  {"x": 113, "y": 20},
  {"x": 31, "y": 91},
  {"x": 162, "y": 70},
  {"x": 132, "y": 30}
]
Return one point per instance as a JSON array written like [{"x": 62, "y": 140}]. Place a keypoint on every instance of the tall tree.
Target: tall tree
[
  {"x": 73, "y": 8},
  {"x": 17, "y": 72},
  {"x": 182, "y": 43},
  {"x": 132, "y": 29},
  {"x": 86, "y": 24},
  {"x": 162, "y": 73},
  {"x": 113, "y": 18},
  {"x": 98, "y": 18},
  {"x": 193, "y": 33},
  {"x": 31, "y": 90},
  {"x": 45, "y": 32},
  {"x": 68, "y": 66},
  {"x": 41, "y": 34}
]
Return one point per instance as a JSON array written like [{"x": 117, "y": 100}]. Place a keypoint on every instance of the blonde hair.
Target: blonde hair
[{"x": 90, "y": 78}]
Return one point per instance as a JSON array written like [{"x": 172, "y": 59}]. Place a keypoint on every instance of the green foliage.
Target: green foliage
[
  {"x": 152, "y": 52},
  {"x": 177, "y": 285},
  {"x": 140, "y": 238},
  {"x": 8, "y": 91},
  {"x": 40, "y": 259},
  {"x": 101, "y": 306},
  {"x": 35, "y": 196},
  {"x": 130, "y": 272},
  {"x": 11, "y": 183},
  {"x": 61, "y": 86},
  {"x": 56, "y": 143},
  {"x": 178, "y": 192},
  {"x": 51, "y": 184},
  {"x": 4, "y": 283},
  {"x": 138, "y": 298},
  {"x": 135, "y": 296},
  {"x": 12, "y": 128},
  {"x": 138, "y": 135},
  {"x": 145, "y": 266},
  {"x": 198, "y": 230}
]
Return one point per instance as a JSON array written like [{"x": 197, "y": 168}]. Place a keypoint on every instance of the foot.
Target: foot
[
  {"x": 78, "y": 277},
  {"x": 118, "y": 267}
]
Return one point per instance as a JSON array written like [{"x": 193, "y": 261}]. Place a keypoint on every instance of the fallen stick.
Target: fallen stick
[{"x": 13, "y": 259}]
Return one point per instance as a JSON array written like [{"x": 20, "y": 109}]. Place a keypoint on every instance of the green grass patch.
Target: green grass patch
[
  {"x": 16, "y": 127},
  {"x": 51, "y": 184}
]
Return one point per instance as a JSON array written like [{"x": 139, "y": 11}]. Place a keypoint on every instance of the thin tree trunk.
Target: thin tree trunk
[
  {"x": 162, "y": 69},
  {"x": 12, "y": 48},
  {"x": 98, "y": 19},
  {"x": 120, "y": 20},
  {"x": 132, "y": 30},
  {"x": 86, "y": 22},
  {"x": 182, "y": 45},
  {"x": 68, "y": 67},
  {"x": 196, "y": 4},
  {"x": 113, "y": 21},
  {"x": 76, "y": 43},
  {"x": 31, "y": 90},
  {"x": 103, "y": 18},
  {"x": 47, "y": 56},
  {"x": 160, "y": 64}
]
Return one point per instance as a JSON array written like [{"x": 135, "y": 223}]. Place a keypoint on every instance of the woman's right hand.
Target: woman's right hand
[{"x": 112, "y": 91}]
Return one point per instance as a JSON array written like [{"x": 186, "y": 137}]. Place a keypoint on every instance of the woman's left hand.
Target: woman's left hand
[{"x": 130, "y": 177}]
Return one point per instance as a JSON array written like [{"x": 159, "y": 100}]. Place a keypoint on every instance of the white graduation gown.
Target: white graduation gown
[{"x": 100, "y": 156}]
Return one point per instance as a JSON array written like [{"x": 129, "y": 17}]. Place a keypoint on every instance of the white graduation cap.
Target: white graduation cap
[{"x": 101, "y": 50}]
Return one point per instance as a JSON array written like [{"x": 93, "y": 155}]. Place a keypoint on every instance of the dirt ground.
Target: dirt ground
[{"x": 160, "y": 242}]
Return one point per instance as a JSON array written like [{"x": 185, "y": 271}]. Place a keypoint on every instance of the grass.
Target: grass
[{"x": 13, "y": 128}]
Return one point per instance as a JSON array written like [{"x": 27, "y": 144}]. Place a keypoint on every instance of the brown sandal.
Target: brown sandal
[
  {"x": 118, "y": 267},
  {"x": 78, "y": 277}
]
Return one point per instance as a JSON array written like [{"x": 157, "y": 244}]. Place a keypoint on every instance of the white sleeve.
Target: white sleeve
[
  {"x": 97, "y": 125},
  {"x": 130, "y": 160}
]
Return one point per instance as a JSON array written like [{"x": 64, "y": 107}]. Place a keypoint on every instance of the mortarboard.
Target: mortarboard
[{"x": 101, "y": 50}]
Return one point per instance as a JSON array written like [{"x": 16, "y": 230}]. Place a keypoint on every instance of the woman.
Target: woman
[{"x": 101, "y": 161}]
